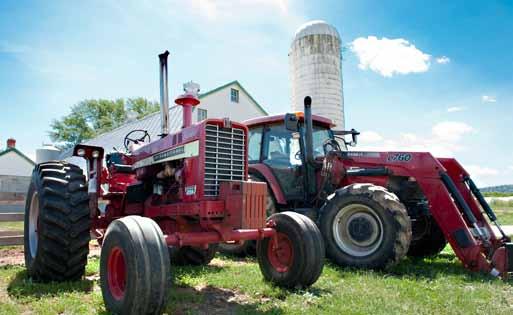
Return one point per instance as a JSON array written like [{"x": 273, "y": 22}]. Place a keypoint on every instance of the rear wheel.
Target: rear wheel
[
  {"x": 430, "y": 244},
  {"x": 365, "y": 226},
  {"x": 134, "y": 267},
  {"x": 192, "y": 255},
  {"x": 295, "y": 256},
  {"x": 244, "y": 248},
  {"x": 57, "y": 223}
]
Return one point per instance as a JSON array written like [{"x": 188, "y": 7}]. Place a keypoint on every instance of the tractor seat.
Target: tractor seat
[{"x": 115, "y": 160}]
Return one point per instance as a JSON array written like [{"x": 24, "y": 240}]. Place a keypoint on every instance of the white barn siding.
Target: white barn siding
[
  {"x": 14, "y": 165},
  {"x": 219, "y": 105}
]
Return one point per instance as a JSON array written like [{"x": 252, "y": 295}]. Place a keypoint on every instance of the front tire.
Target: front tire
[
  {"x": 365, "y": 226},
  {"x": 430, "y": 244},
  {"x": 57, "y": 223},
  {"x": 134, "y": 267},
  {"x": 295, "y": 256}
]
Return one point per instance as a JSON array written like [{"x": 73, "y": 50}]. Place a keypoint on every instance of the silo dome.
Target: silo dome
[{"x": 315, "y": 70}]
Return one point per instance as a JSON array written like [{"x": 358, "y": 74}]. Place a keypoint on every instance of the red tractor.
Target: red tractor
[
  {"x": 373, "y": 208},
  {"x": 171, "y": 200}
]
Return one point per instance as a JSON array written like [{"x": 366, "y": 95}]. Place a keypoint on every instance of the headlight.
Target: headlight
[
  {"x": 80, "y": 152},
  {"x": 96, "y": 154}
]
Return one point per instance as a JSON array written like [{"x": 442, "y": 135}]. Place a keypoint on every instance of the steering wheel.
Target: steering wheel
[
  {"x": 331, "y": 145},
  {"x": 134, "y": 139}
]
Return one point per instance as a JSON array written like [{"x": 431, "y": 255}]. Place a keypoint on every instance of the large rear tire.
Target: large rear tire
[
  {"x": 57, "y": 223},
  {"x": 296, "y": 257},
  {"x": 245, "y": 248},
  {"x": 365, "y": 226},
  {"x": 430, "y": 244},
  {"x": 192, "y": 255},
  {"x": 134, "y": 267}
]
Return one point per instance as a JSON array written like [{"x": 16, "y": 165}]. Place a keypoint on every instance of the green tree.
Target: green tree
[{"x": 89, "y": 118}]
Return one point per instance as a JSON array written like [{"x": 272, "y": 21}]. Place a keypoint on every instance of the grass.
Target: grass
[
  {"x": 11, "y": 226},
  {"x": 227, "y": 285},
  {"x": 497, "y": 194}
]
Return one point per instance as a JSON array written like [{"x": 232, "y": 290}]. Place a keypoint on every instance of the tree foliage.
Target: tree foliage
[{"x": 90, "y": 118}]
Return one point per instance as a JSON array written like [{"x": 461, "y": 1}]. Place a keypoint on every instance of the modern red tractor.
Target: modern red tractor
[
  {"x": 373, "y": 208},
  {"x": 171, "y": 200}
]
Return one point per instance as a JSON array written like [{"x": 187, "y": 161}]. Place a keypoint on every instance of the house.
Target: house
[
  {"x": 230, "y": 100},
  {"x": 15, "y": 172}
]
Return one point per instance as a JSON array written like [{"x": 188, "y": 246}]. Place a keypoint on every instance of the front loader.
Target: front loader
[
  {"x": 373, "y": 208},
  {"x": 167, "y": 201}
]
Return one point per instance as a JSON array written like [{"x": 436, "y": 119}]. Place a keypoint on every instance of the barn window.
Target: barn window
[
  {"x": 234, "y": 95},
  {"x": 202, "y": 114}
]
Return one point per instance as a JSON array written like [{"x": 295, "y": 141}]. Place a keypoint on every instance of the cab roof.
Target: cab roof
[{"x": 265, "y": 120}]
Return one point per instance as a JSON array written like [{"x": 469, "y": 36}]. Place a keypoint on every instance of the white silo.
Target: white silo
[
  {"x": 315, "y": 70},
  {"x": 47, "y": 153}
]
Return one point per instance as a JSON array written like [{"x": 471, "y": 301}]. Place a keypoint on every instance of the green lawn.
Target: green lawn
[
  {"x": 504, "y": 214},
  {"x": 435, "y": 286},
  {"x": 11, "y": 226}
]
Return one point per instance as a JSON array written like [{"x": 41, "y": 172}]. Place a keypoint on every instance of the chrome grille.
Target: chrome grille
[{"x": 224, "y": 157}]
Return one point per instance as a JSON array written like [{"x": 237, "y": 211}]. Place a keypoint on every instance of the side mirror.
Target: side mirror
[
  {"x": 291, "y": 122},
  {"x": 354, "y": 136}
]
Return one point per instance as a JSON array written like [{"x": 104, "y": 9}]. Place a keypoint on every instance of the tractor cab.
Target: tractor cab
[{"x": 277, "y": 154}]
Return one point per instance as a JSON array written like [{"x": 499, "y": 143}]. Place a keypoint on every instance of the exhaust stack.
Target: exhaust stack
[
  {"x": 309, "y": 130},
  {"x": 164, "y": 94}
]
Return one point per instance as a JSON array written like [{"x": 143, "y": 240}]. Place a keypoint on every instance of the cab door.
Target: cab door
[{"x": 281, "y": 153}]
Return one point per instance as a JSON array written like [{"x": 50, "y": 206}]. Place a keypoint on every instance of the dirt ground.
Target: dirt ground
[{"x": 13, "y": 255}]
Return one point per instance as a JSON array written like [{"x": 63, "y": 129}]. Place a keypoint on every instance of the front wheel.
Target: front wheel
[
  {"x": 294, "y": 257},
  {"x": 134, "y": 267},
  {"x": 365, "y": 226}
]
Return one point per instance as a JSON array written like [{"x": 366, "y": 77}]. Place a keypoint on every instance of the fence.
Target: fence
[
  {"x": 11, "y": 237},
  {"x": 11, "y": 210}
]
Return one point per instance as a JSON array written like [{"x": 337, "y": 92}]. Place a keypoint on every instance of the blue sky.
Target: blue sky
[{"x": 443, "y": 80}]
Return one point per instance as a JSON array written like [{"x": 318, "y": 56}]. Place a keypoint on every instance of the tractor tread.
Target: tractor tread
[{"x": 64, "y": 222}]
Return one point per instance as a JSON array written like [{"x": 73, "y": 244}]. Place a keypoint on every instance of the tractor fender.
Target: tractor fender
[{"x": 263, "y": 171}]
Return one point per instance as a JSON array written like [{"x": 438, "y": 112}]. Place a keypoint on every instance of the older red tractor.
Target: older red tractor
[
  {"x": 171, "y": 200},
  {"x": 373, "y": 208}
]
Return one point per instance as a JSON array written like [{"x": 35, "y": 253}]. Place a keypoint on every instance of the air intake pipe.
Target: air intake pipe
[{"x": 164, "y": 94}]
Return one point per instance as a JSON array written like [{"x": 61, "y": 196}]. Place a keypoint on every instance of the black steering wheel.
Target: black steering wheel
[{"x": 143, "y": 135}]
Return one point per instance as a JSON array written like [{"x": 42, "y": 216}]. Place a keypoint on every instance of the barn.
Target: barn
[{"x": 15, "y": 171}]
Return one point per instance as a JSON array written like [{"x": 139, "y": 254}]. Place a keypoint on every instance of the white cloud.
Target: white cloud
[
  {"x": 443, "y": 60},
  {"x": 488, "y": 99},
  {"x": 510, "y": 167},
  {"x": 480, "y": 171},
  {"x": 443, "y": 141},
  {"x": 455, "y": 109},
  {"x": 451, "y": 130},
  {"x": 389, "y": 56},
  {"x": 370, "y": 137}
]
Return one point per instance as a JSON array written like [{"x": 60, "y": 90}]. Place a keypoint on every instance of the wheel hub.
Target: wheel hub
[
  {"x": 116, "y": 273},
  {"x": 358, "y": 230},
  {"x": 280, "y": 252}
]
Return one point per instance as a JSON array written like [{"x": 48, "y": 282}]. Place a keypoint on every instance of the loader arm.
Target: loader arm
[{"x": 454, "y": 202}]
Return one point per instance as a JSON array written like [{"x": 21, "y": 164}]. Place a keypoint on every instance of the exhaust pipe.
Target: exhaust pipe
[
  {"x": 309, "y": 130},
  {"x": 164, "y": 95}
]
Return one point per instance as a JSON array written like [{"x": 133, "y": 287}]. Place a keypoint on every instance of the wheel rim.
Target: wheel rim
[
  {"x": 358, "y": 230},
  {"x": 33, "y": 224},
  {"x": 280, "y": 252},
  {"x": 116, "y": 270}
]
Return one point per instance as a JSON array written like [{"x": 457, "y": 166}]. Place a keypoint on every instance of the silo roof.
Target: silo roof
[{"x": 316, "y": 27}]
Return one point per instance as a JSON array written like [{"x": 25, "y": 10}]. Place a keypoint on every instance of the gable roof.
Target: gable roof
[
  {"x": 240, "y": 87},
  {"x": 26, "y": 158}
]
